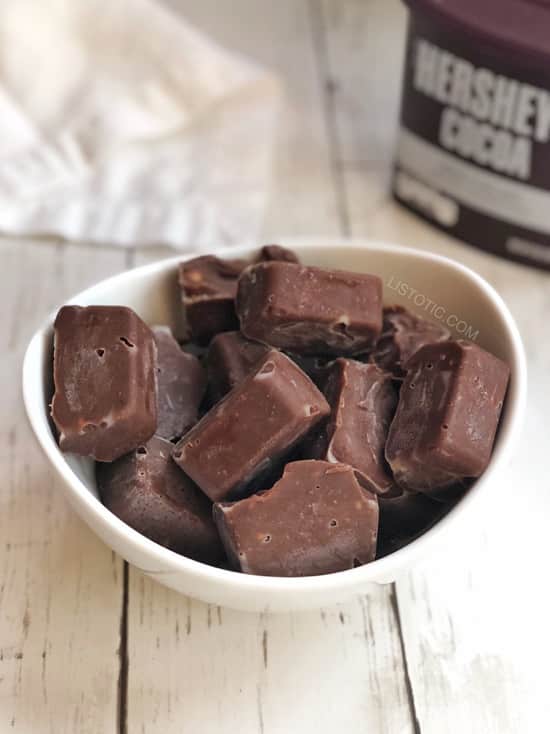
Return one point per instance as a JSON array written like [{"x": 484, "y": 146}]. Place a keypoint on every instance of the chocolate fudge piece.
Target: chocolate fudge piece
[
  {"x": 315, "y": 520},
  {"x": 147, "y": 491},
  {"x": 309, "y": 310},
  {"x": 209, "y": 286},
  {"x": 404, "y": 518},
  {"x": 248, "y": 432},
  {"x": 181, "y": 386},
  {"x": 230, "y": 359},
  {"x": 447, "y": 416},
  {"x": 276, "y": 252},
  {"x": 105, "y": 361},
  {"x": 363, "y": 401},
  {"x": 403, "y": 334}
]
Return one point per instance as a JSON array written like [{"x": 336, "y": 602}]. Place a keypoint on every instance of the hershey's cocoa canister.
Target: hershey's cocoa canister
[{"x": 473, "y": 154}]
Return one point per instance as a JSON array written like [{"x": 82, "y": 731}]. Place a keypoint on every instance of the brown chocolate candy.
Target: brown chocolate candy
[
  {"x": 181, "y": 386},
  {"x": 447, "y": 416},
  {"x": 276, "y": 252},
  {"x": 248, "y": 432},
  {"x": 404, "y": 518},
  {"x": 147, "y": 491},
  {"x": 309, "y": 310},
  {"x": 363, "y": 401},
  {"x": 230, "y": 359},
  {"x": 105, "y": 401},
  {"x": 209, "y": 286},
  {"x": 315, "y": 520},
  {"x": 403, "y": 334}
]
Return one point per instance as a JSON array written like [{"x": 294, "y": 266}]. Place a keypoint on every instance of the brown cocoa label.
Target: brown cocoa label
[{"x": 473, "y": 153}]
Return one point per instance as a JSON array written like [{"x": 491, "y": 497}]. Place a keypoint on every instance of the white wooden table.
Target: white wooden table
[{"x": 461, "y": 644}]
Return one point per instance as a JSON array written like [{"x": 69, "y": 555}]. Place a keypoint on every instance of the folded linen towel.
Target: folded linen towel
[{"x": 122, "y": 124}]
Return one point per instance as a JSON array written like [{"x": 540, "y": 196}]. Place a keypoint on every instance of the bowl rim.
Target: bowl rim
[{"x": 378, "y": 571}]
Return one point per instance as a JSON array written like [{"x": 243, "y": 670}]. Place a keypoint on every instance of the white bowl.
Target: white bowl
[{"x": 426, "y": 283}]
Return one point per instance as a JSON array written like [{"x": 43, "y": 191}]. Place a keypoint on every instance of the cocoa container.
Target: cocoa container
[{"x": 473, "y": 154}]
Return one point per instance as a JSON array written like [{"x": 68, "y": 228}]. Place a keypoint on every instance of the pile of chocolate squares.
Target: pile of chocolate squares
[{"x": 302, "y": 429}]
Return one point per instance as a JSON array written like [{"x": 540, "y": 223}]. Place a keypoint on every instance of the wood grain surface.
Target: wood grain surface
[{"x": 88, "y": 644}]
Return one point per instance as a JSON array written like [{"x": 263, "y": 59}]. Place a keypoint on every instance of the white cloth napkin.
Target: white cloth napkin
[{"x": 121, "y": 124}]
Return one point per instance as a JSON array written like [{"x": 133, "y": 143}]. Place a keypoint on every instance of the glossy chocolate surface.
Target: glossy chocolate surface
[
  {"x": 231, "y": 357},
  {"x": 363, "y": 401},
  {"x": 209, "y": 286},
  {"x": 181, "y": 385},
  {"x": 277, "y": 252},
  {"x": 309, "y": 310},
  {"x": 105, "y": 362},
  {"x": 447, "y": 416},
  {"x": 147, "y": 491},
  {"x": 316, "y": 519},
  {"x": 249, "y": 431},
  {"x": 403, "y": 334}
]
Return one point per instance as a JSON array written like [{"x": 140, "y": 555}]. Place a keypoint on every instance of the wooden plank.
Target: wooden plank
[
  {"x": 198, "y": 668},
  {"x": 60, "y": 587},
  {"x": 475, "y": 627},
  {"x": 194, "y": 667},
  {"x": 476, "y": 659},
  {"x": 360, "y": 53},
  {"x": 364, "y": 57}
]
